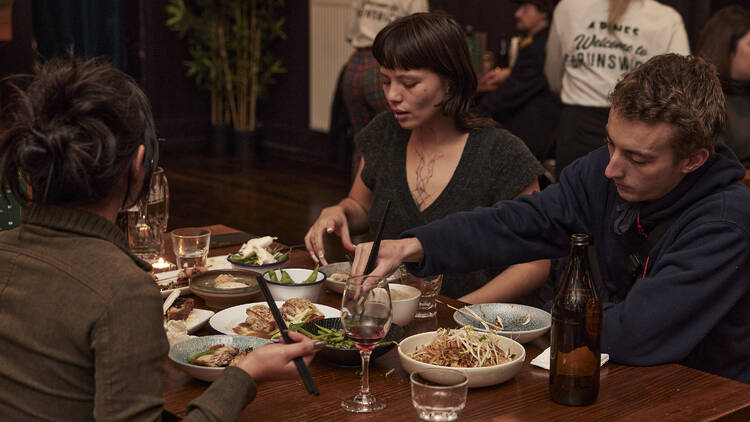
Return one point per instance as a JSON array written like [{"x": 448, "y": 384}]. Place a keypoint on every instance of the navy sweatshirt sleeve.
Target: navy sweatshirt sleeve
[{"x": 532, "y": 227}]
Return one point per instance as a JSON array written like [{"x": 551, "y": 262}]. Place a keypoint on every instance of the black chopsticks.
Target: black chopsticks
[
  {"x": 376, "y": 245},
  {"x": 303, "y": 370}
]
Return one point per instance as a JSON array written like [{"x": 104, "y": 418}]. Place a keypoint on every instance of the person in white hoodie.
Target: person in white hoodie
[{"x": 590, "y": 45}]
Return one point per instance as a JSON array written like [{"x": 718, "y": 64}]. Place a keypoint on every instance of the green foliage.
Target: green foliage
[{"x": 222, "y": 39}]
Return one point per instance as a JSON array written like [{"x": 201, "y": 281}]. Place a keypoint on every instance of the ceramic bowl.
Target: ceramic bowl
[
  {"x": 260, "y": 269},
  {"x": 478, "y": 377},
  {"x": 350, "y": 357},
  {"x": 281, "y": 291},
  {"x": 201, "y": 285},
  {"x": 405, "y": 300},
  {"x": 332, "y": 283},
  {"x": 520, "y": 322},
  {"x": 181, "y": 351}
]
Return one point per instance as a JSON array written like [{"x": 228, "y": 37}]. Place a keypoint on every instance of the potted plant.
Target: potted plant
[{"x": 228, "y": 41}]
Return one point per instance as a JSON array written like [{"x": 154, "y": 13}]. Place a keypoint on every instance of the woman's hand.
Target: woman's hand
[
  {"x": 331, "y": 220},
  {"x": 275, "y": 361}
]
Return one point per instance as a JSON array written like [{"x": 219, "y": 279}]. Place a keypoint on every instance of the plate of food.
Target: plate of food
[
  {"x": 206, "y": 357},
  {"x": 178, "y": 280},
  {"x": 520, "y": 322},
  {"x": 255, "y": 319},
  {"x": 340, "y": 350},
  {"x": 485, "y": 358},
  {"x": 224, "y": 288},
  {"x": 259, "y": 255}
]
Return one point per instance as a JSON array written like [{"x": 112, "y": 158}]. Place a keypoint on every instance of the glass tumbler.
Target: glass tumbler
[{"x": 430, "y": 287}]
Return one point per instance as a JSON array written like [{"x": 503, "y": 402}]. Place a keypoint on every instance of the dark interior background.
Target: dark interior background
[{"x": 154, "y": 56}]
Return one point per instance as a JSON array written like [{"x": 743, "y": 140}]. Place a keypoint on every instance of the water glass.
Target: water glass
[
  {"x": 145, "y": 238},
  {"x": 190, "y": 246},
  {"x": 430, "y": 287},
  {"x": 438, "y": 394}
]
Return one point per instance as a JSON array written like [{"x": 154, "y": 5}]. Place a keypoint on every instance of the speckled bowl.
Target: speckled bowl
[
  {"x": 181, "y": 351},
  {"x": 520, "y": 322}
]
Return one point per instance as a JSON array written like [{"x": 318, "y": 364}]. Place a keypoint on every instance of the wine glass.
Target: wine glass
[{"x": 366, "y": 316}]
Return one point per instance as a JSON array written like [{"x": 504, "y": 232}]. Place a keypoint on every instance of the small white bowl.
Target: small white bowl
[
  {"x": 478, "y": 377},
  {"x": 309, "y": 291},
  {"x": 179, "y": 353},
  {"x": 405, "y": 300}
]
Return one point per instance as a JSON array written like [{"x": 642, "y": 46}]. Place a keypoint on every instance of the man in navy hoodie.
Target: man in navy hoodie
[{"x": 682, "y": 296}]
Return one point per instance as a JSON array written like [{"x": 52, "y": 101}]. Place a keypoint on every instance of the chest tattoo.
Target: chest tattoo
[{"x": 424, "y": 172}]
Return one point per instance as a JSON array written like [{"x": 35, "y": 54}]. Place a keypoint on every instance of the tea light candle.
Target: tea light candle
[{"x": 161, "y": 265}]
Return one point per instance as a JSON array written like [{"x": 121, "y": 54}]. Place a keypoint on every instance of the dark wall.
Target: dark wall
[
  {"x": 155, "y": 57},
  {"x": 16, "y": 55}
]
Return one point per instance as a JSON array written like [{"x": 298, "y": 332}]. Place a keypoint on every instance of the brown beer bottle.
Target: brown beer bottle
[{"x": 575, "y": 339}]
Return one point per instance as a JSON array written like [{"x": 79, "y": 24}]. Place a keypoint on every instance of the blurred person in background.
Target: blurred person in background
[
  {"x": 81, "y": 331},
  {"x": 725, "y": 41},
  {"x": 591, "y": 44},
  {"x": 519, "y": 97},
  {"x": 430, "y": 156},
  {"x": 363, "y": 95}
]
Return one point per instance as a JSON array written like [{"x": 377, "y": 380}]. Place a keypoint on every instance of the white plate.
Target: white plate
[
  {"x": 197, "y": 319},
  {"x": 213, "y": 263},
  {"x": 223, "y": 321}
]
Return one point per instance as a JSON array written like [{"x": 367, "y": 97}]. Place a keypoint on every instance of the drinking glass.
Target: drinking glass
[
  {"x": 144, "y": 236},
  {"x": 429, "y": 286},
  {"x": 438, "y": 394},
  {"x": 366, "y": 316},
  {"x": 157, "y": 208},
  {"x": 190, "y": 246}
]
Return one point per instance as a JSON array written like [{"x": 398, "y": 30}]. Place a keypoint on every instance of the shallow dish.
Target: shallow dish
[
  {"x": 181, "y": 351},
  {"x": 520, "y": 322},
  {"x": 336, "y": 267},
  {"x": 282, "y": 291},
  {"x": 166, "y": 277},
  {"x": 197, "y": 319},
  {"x": 202, "y": 285},
  {"x": 223, "y": 321},
  {"x": 478, "y": 377},
  {"x": 350, "y": 357},
  {"x": 257, "y": 268}
]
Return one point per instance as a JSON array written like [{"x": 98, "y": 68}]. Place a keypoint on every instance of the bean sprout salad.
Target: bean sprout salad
[{"x": 463, "y": 348}]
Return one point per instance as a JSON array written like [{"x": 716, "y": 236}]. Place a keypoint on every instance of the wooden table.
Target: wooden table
[{"x": 659, "y": 393}]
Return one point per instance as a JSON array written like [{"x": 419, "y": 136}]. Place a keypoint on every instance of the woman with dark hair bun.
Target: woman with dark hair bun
[
  {"x": 725, "y": 41},
  {"x": 430, "y": 156},
  {"x": 81, "y": 334}
]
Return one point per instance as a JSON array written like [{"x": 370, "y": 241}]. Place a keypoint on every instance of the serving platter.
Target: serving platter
[{"x": 224, "y": 320}]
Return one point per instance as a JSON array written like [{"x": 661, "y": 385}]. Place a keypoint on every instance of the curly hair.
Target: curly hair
[
  {"x": 683, "y": 91},
  {"x": 436, "y": 42},
  {"x": 73, "y": 132}
]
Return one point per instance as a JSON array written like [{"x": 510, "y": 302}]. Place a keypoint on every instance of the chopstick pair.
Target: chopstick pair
[
  {"x": 472, "y": 316},
  {"x": 303, "y": 370}
]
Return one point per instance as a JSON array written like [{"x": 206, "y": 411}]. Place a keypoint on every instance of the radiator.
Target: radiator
[{"x": 329, "y": 51}]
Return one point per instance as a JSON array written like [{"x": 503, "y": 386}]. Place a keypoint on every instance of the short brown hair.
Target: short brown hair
[
  {"x": 720, "y": 35},
  {"x": 683, "y": 91},
  {"x": 436, "y": 42}
]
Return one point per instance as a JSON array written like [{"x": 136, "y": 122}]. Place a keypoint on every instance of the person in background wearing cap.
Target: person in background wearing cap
[{"x": 518, "y": 96}]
